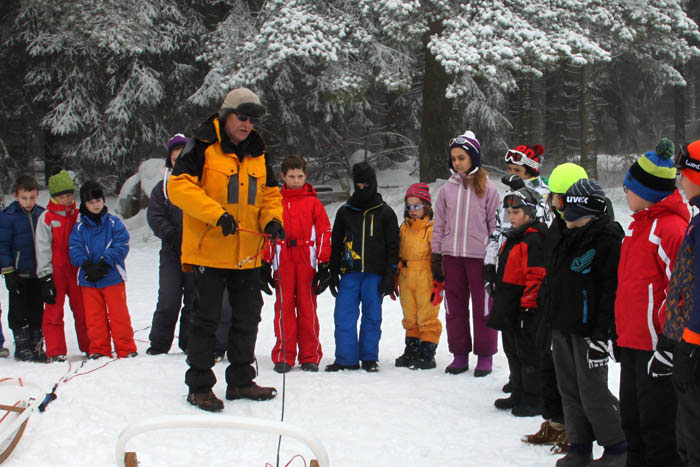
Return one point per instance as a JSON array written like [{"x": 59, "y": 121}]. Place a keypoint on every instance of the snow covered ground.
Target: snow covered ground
[{"x": 396, "y": 417}]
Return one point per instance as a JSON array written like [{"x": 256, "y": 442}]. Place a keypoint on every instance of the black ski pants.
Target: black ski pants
[
  {"x": 27, "y": 306},
  {"x": 519, "y": 347},
  {"x": 243, "y": 286},
  {"x": 175, "y": 289},
  {"x": 551, "y": 399},
  {"x": 648, "y": 412},
  {"x": 686, "y": 382}
]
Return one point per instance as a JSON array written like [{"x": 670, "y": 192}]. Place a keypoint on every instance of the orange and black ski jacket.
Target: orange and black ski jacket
[
  {"x": 521, "y": 268},
  {"x": 207, "y": 181}
]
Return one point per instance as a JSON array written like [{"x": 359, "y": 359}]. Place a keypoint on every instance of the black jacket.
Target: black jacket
[
  {"x": 519, "y": 276},
  {"x": 582, "y": 279},
  {"x": 165, "y": 219},
  {"x": 365, "y": 239}
]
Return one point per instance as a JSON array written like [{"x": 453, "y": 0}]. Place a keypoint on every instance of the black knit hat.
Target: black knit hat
[
  {"x": 585, "y": 198},
  {"x": 91, "y": 190}
]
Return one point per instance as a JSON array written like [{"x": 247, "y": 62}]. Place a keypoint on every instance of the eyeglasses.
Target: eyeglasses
[
  {"x": 519, "y": 158},
  {"x": 245, "y": 118},
  {"x": 414, "y": 207}
]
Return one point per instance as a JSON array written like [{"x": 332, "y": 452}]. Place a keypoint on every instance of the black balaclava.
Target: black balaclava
[
  {"x": 362, "y": 172},
  {"x": 88, "y": 191}
]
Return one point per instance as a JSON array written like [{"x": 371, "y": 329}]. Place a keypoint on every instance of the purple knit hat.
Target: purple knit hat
[
  {"x": 177, "y": 141},
  {"x": 469, "y": 143}
]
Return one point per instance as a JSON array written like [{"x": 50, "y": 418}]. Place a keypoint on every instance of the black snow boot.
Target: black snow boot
[
  {"x": 507, "y": 403},
  {"x": 410, "y": 353},
  {"x": 23, "y": 350},
  {"x": 426, "y": 359},
  {"x": 36, "y": 341}
]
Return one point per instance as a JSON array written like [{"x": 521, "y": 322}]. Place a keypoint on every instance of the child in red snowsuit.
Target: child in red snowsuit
[
  {"x": 58, "y": 277},
  {"x": 302, "y": 270}
]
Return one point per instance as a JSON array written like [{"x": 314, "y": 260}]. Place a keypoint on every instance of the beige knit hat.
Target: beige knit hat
[{"x": 242, "y": 100}]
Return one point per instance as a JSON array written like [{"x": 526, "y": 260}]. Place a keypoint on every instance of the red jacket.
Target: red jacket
[
  {"x": 306, "y": 226},
  {"x": 648, "y": 252},
  {"x": 52, "y": 231}
]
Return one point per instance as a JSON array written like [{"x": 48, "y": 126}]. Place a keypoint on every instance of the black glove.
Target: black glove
[
  {"x": 490, "y": 273},
  {"x": 513, "y": 181},
  {"x": 227, "y": 223},
  {"x": 48, "y": 290},
  {"x": 386, "y": 286},
  {"x": 436, "y": 267},
  {"x": 333, "y": 283},
  {"x": 686, "y": 369},
  {"x": 274, "y": 230},
  {"x": 13, "y": 283},
  {"x": 661, "y": 363},
  {"x": 321, "y": 278},
  {"x": 92, "y": 271},
  {"x": 266, "y": 279},
  {"x": 597, "y": 352},
  {"x": 103, "y": 268}
]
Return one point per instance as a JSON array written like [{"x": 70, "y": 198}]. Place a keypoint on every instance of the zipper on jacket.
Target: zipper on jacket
[
  {"x": 459, "y": 202},
  {"x": 364, "y": 218},
  {"x": 466, "y": 223},
  {"x": 371, "y": 225},
  {"x": 585, "y": 307},
  {"x": 17, "y": 261}
]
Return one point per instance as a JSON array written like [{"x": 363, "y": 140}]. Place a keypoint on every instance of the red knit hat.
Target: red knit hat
[{"x": 420, "y": 191}]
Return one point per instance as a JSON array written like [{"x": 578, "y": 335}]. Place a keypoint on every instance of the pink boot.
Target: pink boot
[
  {"x": 460, "y": 364},
  {"x": 484, "y": 365}
]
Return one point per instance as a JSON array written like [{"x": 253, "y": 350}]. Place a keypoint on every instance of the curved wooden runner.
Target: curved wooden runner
[{"x": 10, "y": 447}]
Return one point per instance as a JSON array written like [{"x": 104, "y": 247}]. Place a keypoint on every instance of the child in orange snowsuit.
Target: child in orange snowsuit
[{"x": 420, "y": 294}]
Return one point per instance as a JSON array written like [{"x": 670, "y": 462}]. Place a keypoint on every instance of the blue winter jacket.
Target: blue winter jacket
[
  {"x": 17, "y": 228},
  {"x": 683, "y": 298},
  {"x": 108, "y": 240}
]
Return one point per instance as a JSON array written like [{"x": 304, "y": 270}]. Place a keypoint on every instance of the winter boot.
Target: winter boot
[
  {"x": 252, "y": 391},
  {"x": 23, "y": 350},
  {"x": 507, "y": 403},
  {"x": 579, "y": 455},
  {"x": 410, "y": 353},
  {"x": 426, "y": 359},
  {"x": 547, "y": 435},
  {"x": 613, "y": 456},
  {"x": 36, "y": 341},
  {"x": 154, "y": 350},
  {"x": 484, "y": 365},
  {"x": 309, "y": 366},
  {"x": 4, "y": 353},
  {"x": 525, "y": 409},
  {"x": 338, "y": 367},
  {"x": 460, "y": 364},
  {"x": 507, "y": 388},
  {"x": 370, "y": 366},
  {"x": 282, "y": 367},
  {"x": 205, "y": 401}
]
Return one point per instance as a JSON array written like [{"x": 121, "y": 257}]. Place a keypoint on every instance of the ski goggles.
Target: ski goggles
[
  {"x": 684, "y": 160},
  {"x": 414, "y": 207},
  {"x": 520, "y": 158},
  {"x": 462, "y": 141},
  {"x": 516, "y": 200}
]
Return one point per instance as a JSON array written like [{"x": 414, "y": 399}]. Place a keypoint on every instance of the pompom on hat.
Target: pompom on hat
[
  {"x": 61, "y": 183},
  {"x": 653, "y": 176},
  {"x": 420, "y": 191},
  {"x": 470, "y": 144}
]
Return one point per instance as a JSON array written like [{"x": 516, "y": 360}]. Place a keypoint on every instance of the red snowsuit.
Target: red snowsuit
[
  {"x": 308, "y": 234},
  {"x": 52, "y": 231},
  {"x": 648, "y": 252}
]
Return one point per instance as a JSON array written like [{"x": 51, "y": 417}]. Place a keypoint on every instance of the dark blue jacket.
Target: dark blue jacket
[
  {"x": 108, "y": 240},
  {"x": 165, "y": 219},
  {"x": 17, "y": 228},
  {"x": 683, "y": 300}
]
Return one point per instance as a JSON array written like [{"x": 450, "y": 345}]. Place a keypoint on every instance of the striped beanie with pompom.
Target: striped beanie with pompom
[
  {"x": 420, "y": 191},
  {"x": 653, "y": 176}
]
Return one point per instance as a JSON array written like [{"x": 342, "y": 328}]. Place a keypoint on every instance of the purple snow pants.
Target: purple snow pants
[{"x": 464, "y": 277}]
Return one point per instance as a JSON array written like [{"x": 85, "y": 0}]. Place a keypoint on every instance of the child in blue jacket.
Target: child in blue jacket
[
  {"x": 98, "y": 245},
  {"x": 18, "y": 263}
]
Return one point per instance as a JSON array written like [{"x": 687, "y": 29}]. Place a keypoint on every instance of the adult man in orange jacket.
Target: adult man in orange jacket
[{"x": 229, "y": 196}]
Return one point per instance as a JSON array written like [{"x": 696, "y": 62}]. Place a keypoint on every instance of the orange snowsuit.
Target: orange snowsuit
[{"x": 420, "y": 316}]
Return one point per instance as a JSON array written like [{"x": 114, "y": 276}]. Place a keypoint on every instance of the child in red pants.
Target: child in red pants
[
  {"x": 57, "y": 275},
  {"x": 98, "y": 245},
  {"x": 306, "y": 250}
]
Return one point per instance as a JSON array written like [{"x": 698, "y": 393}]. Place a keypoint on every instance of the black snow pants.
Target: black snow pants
[
  {"x": 686, "y": 382},
  {"x": 519, "y": 347},
  {"x": 648, "y": 411},
  {"x": 175, "y": 287},
  {"x": 27, "y": 306},
  {"x": 243, "y": 287},
  {"x": 551, "y": 399}
]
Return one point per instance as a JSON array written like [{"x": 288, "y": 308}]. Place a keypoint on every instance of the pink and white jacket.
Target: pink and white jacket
[{"x": 463, "y": 220}]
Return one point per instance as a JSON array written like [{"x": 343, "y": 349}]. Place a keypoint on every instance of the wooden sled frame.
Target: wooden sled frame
[
  {"x": 15, "y": 430},
  {"x": 128, "y": 459},
  {"x": 11, "y": 447}
]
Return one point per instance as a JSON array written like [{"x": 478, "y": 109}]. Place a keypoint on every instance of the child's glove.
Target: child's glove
[
  {"x": 12, "y": 282},
  {"x": 322, "y": 278},
  {"x": 274, "y": 230},
  {"x": 227, "y": 223},
  {"x": 597, "y": 353},
  {"x": 386, "y": 286},
  {"x": 436, "y": 296},
  {"x": 266, "y": 279},
  {"x": 103, "y": 268},
  {"x": 513, "y": 181},
  {"x": 686, "y": 369},
  {"x": 93, "y": 272},
  {"x": 436, "y": 267},
  {"x": 490, "y": 278},
  {"x": 48, "y": 290},
  {"x": 333, "y": 283},
  {"x": 661, "y": 363}
]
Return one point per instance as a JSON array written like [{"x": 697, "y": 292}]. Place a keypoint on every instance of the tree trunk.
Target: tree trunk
[
  {"x": 525, "y": 111},
  {"x": 436, "y": 121},
  {"x": 679, "y": 115},
  {"x": 589, "y": 156}
]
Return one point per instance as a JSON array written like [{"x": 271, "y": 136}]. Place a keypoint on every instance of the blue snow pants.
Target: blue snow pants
[{"x": 356, "y": 288}]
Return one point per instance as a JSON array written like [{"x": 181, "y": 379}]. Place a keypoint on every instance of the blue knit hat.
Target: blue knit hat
[
  {"x": 653, "y": 176},
  {"x": 469, "y": 143}
]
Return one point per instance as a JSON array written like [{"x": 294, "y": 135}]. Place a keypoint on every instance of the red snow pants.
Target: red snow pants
[
  {"x": 66, "y": 283},
  {"x": 108, "y": 320},
  {"x": 296, "y": 323}
]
